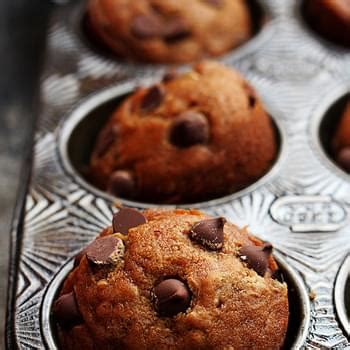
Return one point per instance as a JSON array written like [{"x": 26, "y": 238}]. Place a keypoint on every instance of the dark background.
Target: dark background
[{"x": 22, "y": 42}]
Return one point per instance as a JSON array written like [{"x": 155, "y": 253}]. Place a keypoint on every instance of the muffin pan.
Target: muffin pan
[{"x": 302, "y": 205}]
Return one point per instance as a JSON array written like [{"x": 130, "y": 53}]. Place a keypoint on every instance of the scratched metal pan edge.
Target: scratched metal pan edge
[{"x": 298, "y": 248}]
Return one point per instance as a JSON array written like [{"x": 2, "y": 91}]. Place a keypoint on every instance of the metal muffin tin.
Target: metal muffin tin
[{"x": 302, "y": 205}]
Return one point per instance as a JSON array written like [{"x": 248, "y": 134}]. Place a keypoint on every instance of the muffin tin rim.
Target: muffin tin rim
[
  {"x": 99, "y": 97},
  {"x": 52, "y": 288}
]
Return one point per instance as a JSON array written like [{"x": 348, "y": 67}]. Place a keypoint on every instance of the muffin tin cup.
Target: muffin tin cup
[
  {"x": 301, "y": 205},
  {"x": 298, "y": 301},
  {"x": 76, "y": 17},
  {"x": 78, "y": 132}
]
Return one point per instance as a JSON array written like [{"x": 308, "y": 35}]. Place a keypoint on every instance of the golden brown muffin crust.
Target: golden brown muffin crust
[
  {"x": 170, "y": 31},
  {"x": 237, "y": 141},
  {"x": 232, "y": 307}
]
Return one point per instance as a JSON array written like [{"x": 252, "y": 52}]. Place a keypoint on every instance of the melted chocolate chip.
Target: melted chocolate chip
[
  {"x": 121, "y": 183},
  {"x": 343, "y": 158},
  {"x": 146, "y": 27},
  {"x": 66, "y": 312},
  {"x": 152, "y": 99},
  {"x": 105, "y": 251},
  {"x": 188, "y": 129},
  {"x": 251, "y": 101},
  {"x": 171, "y": 297},
  {"x": 209, "y": 233},
  {"x": 127, "y": 218},
  {"x": 176, "y": 29},
  {"x": 257, "y": 257},
  {"x": 251, "y": 95}
]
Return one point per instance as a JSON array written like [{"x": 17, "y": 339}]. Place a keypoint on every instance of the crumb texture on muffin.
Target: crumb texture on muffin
[
  {"x": 172, "y": 31},
  {"x": 169, "y": 290},
  {"x": 192, "y": 137}
]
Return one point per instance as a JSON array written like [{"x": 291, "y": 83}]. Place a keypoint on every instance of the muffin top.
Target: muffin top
[
  {"x": 174, "y": 279},
  {"x": 192, "y": 137},
  {"x": 169, "y": 31}
]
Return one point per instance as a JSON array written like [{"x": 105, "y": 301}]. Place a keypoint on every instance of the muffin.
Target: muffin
[
  {"x": 192, "y": 137},
  {"x": 174, "y": 279},
  {"x": 341, "y": 141},
  {"x": 172, "y": 31},
  {"x": 330, "y": 18}
]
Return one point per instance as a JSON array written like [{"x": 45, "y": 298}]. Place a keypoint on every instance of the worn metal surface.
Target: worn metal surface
[
  {"x": 302, "y": 206},
  {"x": 22, "y": 36}
]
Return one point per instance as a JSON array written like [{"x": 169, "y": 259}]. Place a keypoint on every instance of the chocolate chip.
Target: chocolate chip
[
  {"x": 152, "y": 99},
  {"x": 105, "y": 140},
  {"x": 215, "y": 3},
  {"x": 257, "y": 257},
  {"x": 127, "y": 218},
  {"x": 251, "y": 95},
  {"x": 121, "y": 183},
  {"x": 209, "y": 233},
  {"x": 169, "y": 76},
  {"x": 171, "y": 297},
  {"x": 343, "y": 158},
  {"x": 66, "y": 312},
  {"x": 105, "y": 251},
  {"x": 251, "y": 101},
  {"x": 146, "y": 27},
  {"x": 176, "y": 29},
  {"x": 188, "y": 129}
]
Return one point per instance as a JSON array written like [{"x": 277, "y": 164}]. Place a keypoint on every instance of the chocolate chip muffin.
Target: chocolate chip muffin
[
  {"x": 330, "y": 18},
  {"x": 171, "y": 31},
  {"x": 192, "y": 137},
  {"x": 341, "y": 141},
  {"x": 172, "y": 280}
]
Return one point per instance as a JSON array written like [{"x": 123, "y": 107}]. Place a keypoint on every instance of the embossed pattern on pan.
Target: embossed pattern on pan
[{"x": 302, "y": 208}]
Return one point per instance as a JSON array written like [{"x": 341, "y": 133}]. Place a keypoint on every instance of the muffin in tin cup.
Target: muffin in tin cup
[
  {"x": 192, "y": 137},
  {"x": 173, "y": 279},
  {"x": 172, "y": 31}
]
